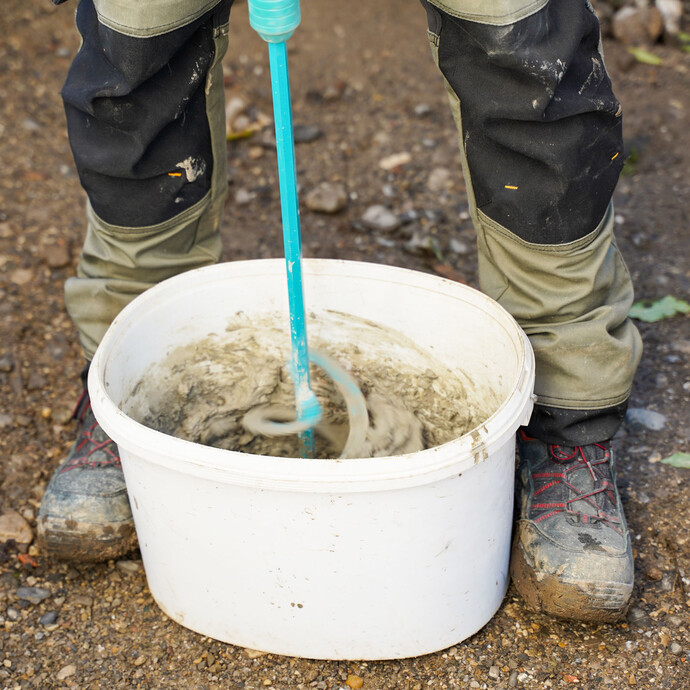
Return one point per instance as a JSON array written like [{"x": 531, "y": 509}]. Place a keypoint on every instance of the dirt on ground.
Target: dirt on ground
[{"x": 364, "y": 89}]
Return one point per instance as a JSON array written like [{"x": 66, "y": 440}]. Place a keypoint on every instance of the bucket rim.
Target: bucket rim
[{"x": 353, "y": 474}]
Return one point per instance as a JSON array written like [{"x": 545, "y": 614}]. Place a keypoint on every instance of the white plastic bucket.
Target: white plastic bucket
[{"x": 368, "y": 558}]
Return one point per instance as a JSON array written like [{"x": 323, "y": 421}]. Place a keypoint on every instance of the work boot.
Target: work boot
[
  {"x": 85, "y": 513},
  {"x": 572, "y": 555}
]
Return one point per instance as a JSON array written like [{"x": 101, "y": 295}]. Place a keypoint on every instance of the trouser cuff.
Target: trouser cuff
[{"x": 575, "y": 427}]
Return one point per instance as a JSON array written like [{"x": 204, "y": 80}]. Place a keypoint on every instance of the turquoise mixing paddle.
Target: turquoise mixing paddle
[{"x": 275, "y": 21}]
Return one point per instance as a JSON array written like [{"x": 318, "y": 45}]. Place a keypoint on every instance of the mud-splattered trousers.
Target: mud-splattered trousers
[{"x": 541, "y": 142}]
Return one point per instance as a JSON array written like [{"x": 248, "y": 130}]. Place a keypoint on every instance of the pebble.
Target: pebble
[
  {"x": 12, "y": 613},
  {"x": 244, "y": 197},
  {"x": 30, "y": 125},
  {"x": 14, "y": 526},
  {"x": 654, "y": 573},
  {"x": 255, "y": 654},
  {"x": 5, "y": 420},
  {"x": 394, "y": 161},
  {"x": 66, "y": 672},
  {"x": 327, "y": 197},
  {"x": 129, "y": 567},
  {"x": 306, "y": 133},
  {"x": 22, "y": 276},
  {"x": 57, "y": 255},
  {"x": 48, "y": 618},
  {"x": 6, "y": 364},
  {"x": 440, "y": 179},
  {"x": 494, "y": 672},
  {"x": 654, "y": 421},
  {"x": 33, "y": 594},
  {"x": 671, "y": 12},
  {"x": 233, "y": 109},
  {"x": 380, "y": 218},
  {"x": 635, "y": 26},
  {"x": 458, "y": 246},
  {"x": 419, "y": 243},
  {"x": 422, "y": 110},
  {"x": 675, "y": 649},
  {"x": 639, "y": 617}
]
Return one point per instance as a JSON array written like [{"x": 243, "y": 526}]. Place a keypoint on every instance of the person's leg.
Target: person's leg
[
  {"x": 145, "y": 115},
  {"x": 540, "y": 136}
]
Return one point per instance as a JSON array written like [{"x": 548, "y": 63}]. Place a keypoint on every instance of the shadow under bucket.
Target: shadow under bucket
[{"x": 365, "y": 558}]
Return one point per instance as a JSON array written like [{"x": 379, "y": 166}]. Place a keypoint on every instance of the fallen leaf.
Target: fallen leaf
[
  {"x": 25, "y": 559},
  {"x": 678, "y": 460},
  {"x": 664, "y": 308},
  {"x": 645, "y": 57}
]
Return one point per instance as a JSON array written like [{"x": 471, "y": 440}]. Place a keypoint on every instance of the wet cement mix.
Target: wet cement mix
[{"x": 202, "y": 391}]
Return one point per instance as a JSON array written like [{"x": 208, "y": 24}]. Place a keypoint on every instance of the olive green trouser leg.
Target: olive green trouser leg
[
  {"x": 145, "y": 111},
  {"x": 540, "y": 137}
]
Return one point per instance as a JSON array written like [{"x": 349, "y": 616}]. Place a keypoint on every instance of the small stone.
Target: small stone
[
  {"x": 333, "y": 91},
  {"x": 6, "y": 364},
  {"x": 665, "y": 638},
  {"x": 494, "y": 672},
  {"x": 440, "y": 179},
  {"x": 22, "y": 276},
  {"x": 637, "y": 26},
  {"x": 671, "y": 12},
  {"x": 12, "y": 613},
  {"x": 129, "y": 567},
  {"x": 57, "y": 255},
  {"x": 233, "y": 109},
  {"x": 244, "y": 197},
  {"x": 14, "y": 526},
  {"x": 306, "y": 133},
  {"x": 654, "y": 573},
  {"x": 33, "y": 594},
  {"x": 255, "y": 152},
  {"x": 48, "y": 618},
  {"x": 66, "y": 672},
  {"x": 639, "y": 617},
  {"x": 675, "y": 649},
  {"x": 140, "y": 660},
  {"x": 354, "y": 681},
  {"x": 396, "y": 160},
  {"x": 458, "y": 246},
  {"x": 30, "y": 125},
  {"x": 422, "y": 110},
  {"x": 81, "y": 600},
  {"x": 380, "y": 218},
  {"x": 327, "y": 197},
  {"x": 36, "y": 381},
  {"x": 254, "y": 653},
  {"x": 654, "y": 421},
  {"x": 419, "y": 243},
  {"x": 5, "y": 421}
]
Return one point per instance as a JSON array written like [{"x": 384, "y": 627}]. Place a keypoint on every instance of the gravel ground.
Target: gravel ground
[{"x": 97, "y": 626}]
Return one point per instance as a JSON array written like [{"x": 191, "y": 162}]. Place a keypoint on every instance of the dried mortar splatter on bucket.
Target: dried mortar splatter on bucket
[{"x": 201, "y": 391}]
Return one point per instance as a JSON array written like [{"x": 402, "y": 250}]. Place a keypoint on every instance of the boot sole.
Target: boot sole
[
  {"x": 69, "y": 540},
  {"x": 588, "y": 601}
]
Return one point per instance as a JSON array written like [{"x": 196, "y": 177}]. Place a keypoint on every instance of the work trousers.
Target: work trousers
[{"x": 541, "y": 143}]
